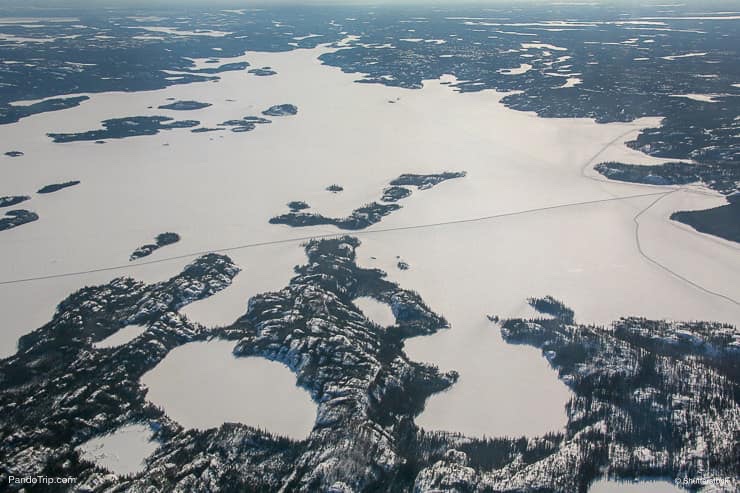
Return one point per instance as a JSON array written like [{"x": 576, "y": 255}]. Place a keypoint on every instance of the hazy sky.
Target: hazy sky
[{"x": 242, "y": 3}]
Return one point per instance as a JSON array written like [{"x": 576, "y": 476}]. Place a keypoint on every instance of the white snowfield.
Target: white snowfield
[
  {"x": 123, "y": 451},
  {"x": 375, "y": 311},
  {"x": 202, "y": 385},
  {"x": 552, "y": 225}
]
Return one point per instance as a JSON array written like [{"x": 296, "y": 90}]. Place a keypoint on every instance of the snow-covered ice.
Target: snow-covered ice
[
  {"x": 122, "y": 451},
  {"x": 203, "y": 385}
]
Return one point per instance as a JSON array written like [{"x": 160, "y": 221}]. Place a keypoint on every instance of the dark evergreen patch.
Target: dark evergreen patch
[
  {"x": 281, "y": 110},
  {"x": 360, "y": 218},
  {"x": 121, "y": 128},
  {"x": 184, "y": 106},
  {"x": 161, "y": 240},
  {"x": 722, "y": 221},
  {"x": 551, "y": 306},
  {"x": 12, "y": 114},
  {"x": 55, "y": 187},
  {"x": 263, "y": 72},
  {"x": 202, "y": 130},
  {"x": 371, "y": 213},
  {"x": 246, "y": 124},
  {"x": 16, "y": 218},
  {"x": 10, "y": 201},
  {"x": 423, "y": 182},
  {"x": 394, "y": 194},
  {"x": 297, "y": 205}
]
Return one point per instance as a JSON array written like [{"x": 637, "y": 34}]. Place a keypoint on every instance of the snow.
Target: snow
[
  {"x": 120, "y": 337},
  {"x": 521, "y": 69},
  {"x": 22, "y": 39},
  {"x": 544, "y": 46},
  {"x": 178, "y": 32},
  {"x": 123, "y": 451},
  {"x": 203, "y": 385},
  {"x": 685, "y": 55},
  {"x": 704, "y": 98},
  {"x": 571, "y": 82},
  {"x": 376, "y": 311},
  {"x": 219, "y": 190}
]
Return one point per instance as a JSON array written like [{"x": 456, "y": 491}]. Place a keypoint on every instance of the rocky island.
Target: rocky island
[
  {"x": 246, "y": 124},
  {"x": 263, "y": 72},
  {"x": 15, "y": 218},
  {"x": 13, "y": 200},
  {"x": 184, "y": 106},
  {"x": 55, "y": 187},
  {"x": 121, "y": 128},
  {"x": 371, "y": 213},
  {"x": 281, "y": 110},
  {"x": 161, "y": 240}
]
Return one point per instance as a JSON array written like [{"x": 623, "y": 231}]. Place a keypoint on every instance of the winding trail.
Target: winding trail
[
  {"x": 636, "y": 219},
  {"x": 667, "y": 269}
]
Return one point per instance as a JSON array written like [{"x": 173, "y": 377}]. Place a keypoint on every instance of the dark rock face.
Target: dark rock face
[
  {"x": 371, "y": 213},
  {"x": 16, "y": 218},
  {"x": 281, "y": 110},
  {"x": 121, "y": 128},
  {"x": 57, "y": 186},
  {"x": 162, "y": 240},
  {"x": 14, "y": 154},
  {"x": 184, "y": 106},
  {"x": 13, "y": 200}
]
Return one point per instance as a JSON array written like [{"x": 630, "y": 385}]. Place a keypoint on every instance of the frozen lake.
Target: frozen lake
[
  {"x": 375, "y": 311},
  {"x": 120, "y": 337},
  {"x": 203, "y": 385},
  {"x": 123, "y": 451},
  {"x": 553, "y": 227}
]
